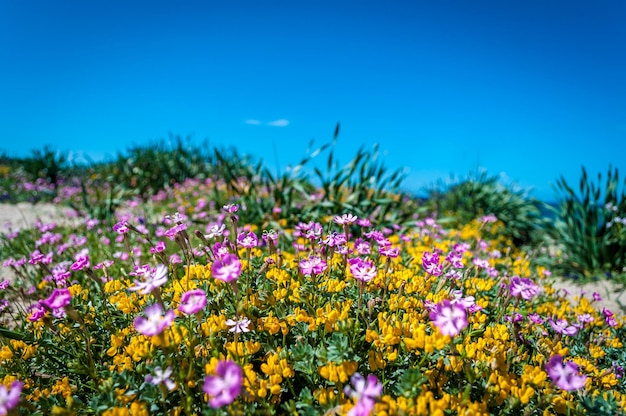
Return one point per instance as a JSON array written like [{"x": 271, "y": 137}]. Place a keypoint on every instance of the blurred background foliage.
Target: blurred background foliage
[{"x": 582, "y": 234}]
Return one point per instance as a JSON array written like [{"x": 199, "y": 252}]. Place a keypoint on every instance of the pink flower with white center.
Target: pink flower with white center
[
  {"x": 449, "y": 318},
  {"x": 345, "y": 219},
  {"x": 82, "y": 261},
  {"x": 565, "y": 375},
  {"x": 154, "y": 322},
  {"x": 121, "y": 227},
  {"x": 161, "y": 377},
  {"x": 215, "y": 230},
  {"x": 363, "y": 270},
  {"x": 238, "y": 326},
  {"x": 389, "y": 251},
  {"x": 224, "y": 387},
  {"x": 465, "y": 302},
  {"x": 534, "y": 317},
  {"x": 525, "y": 288},
  {"x": 490, "y": 218},
  {"x": 159, "y": 247},
  {"x": 480, "y": 263},
  {"x": 192, "y": 301},
  {"x": 231, "y": 208},
  {"x": 561, "y": 326},
  {"x": 364, "y": 222},
  {"x": 220, "y": 250},
  {"x": 10, "y": 397},
  {"x": 312, "y": 265},
  {"x": 362, "y": 247},
  {"x": 430, "y": 262},
  {"x": 58, "y": 299},
  {"x": 152, "y": 279},
  {"x": 334, "y": 239},
  {"x": 456, "y": 259},
  {"x": 364, "y": 392},
  {"x": 247, "y": 239},
  {"x": 227, "y": 268}
]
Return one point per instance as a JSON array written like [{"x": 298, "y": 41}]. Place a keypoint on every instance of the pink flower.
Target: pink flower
[
  {"x": 152, "y": 278},
  {"x": 312, "y": 265},
  {"x": 224, "y": 387},
  {"x": 192, "y": 301},
  {"x": 430, "y": 262},
  {"x": 523, "y": 287},
  {"x": 82, "y": 261},
  {"x": 161, "y": 377},
  {"x": 9, "y": 398},
  {"x": 565, "y": 375},
  {"x": 227, "y": 268},
  {"x": 238, "y": 326},
  {"x": 121, "y": 227},
  {"x": 363, "y": 270},
  {"x": 364, "y": 392},
  {"x": 449, "y": 318},
  {"x": 58, "y": 299},
  {"x": 154, "y": 322},
  {"x": 561, "y": 326},
  {"x": 159, "y": 247},
  {"x": 345, "y": 219},
  {"x": 247, "y": 240}
]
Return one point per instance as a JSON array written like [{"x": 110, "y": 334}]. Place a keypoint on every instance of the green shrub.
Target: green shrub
[
  {"x": 590, "y": 225},
  {"x": 480, "y": 194}
]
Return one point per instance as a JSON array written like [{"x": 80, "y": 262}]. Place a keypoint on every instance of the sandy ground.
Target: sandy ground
[{"x": 25, "y": 215}]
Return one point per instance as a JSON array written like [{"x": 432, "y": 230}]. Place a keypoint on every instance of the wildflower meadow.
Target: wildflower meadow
[{"x": 186, "y": 283}]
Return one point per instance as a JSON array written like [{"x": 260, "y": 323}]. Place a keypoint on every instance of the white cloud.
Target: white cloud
[
  {"x": 279, "y": 123},
  {"x": 255, "y": 122}
]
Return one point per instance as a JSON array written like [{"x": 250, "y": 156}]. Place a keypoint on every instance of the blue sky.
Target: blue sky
[{"x": 527, "y": 89}]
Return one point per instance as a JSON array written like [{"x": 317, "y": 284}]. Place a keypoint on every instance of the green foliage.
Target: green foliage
[
  {"x": 480, "y": 194},
  {"x": 590, "y": 228},
  {"x": 46, "y": 163},
  {"x": 148, "y": 169}
]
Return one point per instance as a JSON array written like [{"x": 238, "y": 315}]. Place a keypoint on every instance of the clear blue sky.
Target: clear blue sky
[{"x": 531, "y": 89}]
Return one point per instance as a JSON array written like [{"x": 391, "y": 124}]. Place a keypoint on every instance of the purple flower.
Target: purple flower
[
  {"x": 449, "y": 318},
  {"x": 154, "y": 322},
  {"x": 225, "y": 386},
  {"x": 363, "y": 270},
  {"x": 523, "y": 287},
  {"x": 596, "y": 297},
  {"x": 365, "y": 392},
  {"x": 565, "y": 375},
  {"x": 58, "y": 299},
  {"x": 227, "y": 268},
  {"x": 192, "y": 301},
  {"x": 247, "y": 240},
  {"x": 152, "y": 278},
  {"x": 312, "y": 265},
  {"x": 161, "y": 377},
  {"x": 561, "y": 326},
  {"x": 9, "y": 398},
  {"x": 238, "y": 326}
]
